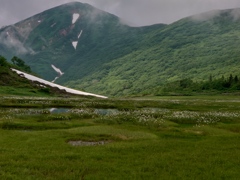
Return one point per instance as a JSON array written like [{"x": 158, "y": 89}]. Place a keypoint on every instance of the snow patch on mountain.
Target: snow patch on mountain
[
  {"x": 42, "y": 81},
  {"x": 75, "y": 43},
  {"x": 53, "y": 81},
  {"x": 53, "y": 25},
  {"x": 75, "y": 17},
  {"x": 80, "y": 34},
  {"x": 57, "y": 70},
  {"x": 60, "y": 73}
]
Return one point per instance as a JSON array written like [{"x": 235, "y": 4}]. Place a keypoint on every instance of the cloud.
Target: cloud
[
  {"x": 7, "y": 38},
  {"x": 236, "y": 14},
  {"x": 206, "y": 16},
  {"x": 138, "y": 12}
]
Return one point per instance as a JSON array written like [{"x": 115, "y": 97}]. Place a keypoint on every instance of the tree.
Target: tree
[
  {"x": 3, "y": 62},
  {"x": 185, "y": 83},
  {"x": 210, "y": 78},
  {"x": 230, "y": 80},
  {"x": 21, "y": 64},
  {"x": 236, "y": 80}
]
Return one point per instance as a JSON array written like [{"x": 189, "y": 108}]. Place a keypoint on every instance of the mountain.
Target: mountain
[
  {"x": 89, "y": 49},
  {"x": 196, "y": 47},
  {"x": 76, "y": 46}
]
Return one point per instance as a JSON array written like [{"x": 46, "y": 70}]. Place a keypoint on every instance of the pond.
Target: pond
[{"x": 38, "y": 111}]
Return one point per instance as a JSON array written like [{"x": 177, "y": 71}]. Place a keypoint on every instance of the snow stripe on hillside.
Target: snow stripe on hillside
[
  {"x": 80, "y": 34},
  {"x": 60, "y": 73},
  {"x": 69, "y": 90},
  {"x": 53, "y": 25},
  {"x": 57, "y": 70}
]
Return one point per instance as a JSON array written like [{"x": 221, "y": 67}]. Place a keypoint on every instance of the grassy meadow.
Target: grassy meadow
[{"x": 195, "y": 137}]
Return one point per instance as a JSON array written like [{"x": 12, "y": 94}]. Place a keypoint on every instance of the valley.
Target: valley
[{"x": 85, "y": 96}]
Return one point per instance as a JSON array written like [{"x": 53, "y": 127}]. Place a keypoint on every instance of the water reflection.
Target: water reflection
[
  {"x": 58, "y": 110},
  {"x": 106, "y": 111},
  {"x": 32, "y": 111}
]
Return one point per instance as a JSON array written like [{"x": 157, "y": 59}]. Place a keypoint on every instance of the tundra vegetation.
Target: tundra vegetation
[
  {"x": 191, "y": 137},
  {"x": 48, "y": 134}
]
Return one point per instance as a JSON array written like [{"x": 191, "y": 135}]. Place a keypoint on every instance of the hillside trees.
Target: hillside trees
[
  {"x": 3, "y": 61},
  {"x": 188, "y": 86},
  {"x": 21, "y": 64}
]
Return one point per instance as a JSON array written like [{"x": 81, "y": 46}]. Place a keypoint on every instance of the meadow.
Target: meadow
[{"x": 191, "y": 137}]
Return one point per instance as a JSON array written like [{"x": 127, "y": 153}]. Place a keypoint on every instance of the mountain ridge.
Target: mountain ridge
[{"x": 100, "y": 54}]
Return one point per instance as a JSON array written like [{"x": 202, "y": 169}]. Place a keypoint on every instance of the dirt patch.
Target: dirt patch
[
  {"x": 195, "y": 132},
  {"x": 88, "y": 143}
]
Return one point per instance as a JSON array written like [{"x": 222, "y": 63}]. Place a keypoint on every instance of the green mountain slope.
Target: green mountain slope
[
  {"x": 100, "y": 54},
  {"x": 47, "y": 38},
  {"x": 189, "y": 48}
]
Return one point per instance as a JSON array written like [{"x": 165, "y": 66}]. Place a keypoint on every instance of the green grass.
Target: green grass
[
  {"x": 9, "y": 90},
  {"x": 161, "y": 138}
]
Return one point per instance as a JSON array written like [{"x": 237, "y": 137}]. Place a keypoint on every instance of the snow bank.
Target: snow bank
[{"x": 69, "y": 90}]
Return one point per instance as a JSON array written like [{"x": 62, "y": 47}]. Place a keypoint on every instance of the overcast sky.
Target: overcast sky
[{"x": 137, "y": 12}]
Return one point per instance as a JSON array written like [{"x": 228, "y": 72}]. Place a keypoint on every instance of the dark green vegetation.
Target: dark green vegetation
[
  {"x": 167, "y": 138},
  {"x": 185, "y": 49},
  {"x": 21, "y": 64},
  {"x": 13, "y": 84},
  {"x": 114, "y": 59},
  {"x": 229, "y": 85}
]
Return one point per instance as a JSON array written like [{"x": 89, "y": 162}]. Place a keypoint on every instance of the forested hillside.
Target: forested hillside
[
  {"x": 96, "y": 52},
  {"x": 12, "y": 83},
  {"x": 189, "y": 48}
]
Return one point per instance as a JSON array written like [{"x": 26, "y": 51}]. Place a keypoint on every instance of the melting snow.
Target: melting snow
[
  {"x": 69, "y": 90},
  {"x": 75, "y": 17},
  {"x": 58, "y": 71},
  {"x": 75, "y": 43},
  {"x": 53, "y": 24},
  {"x": 39, "y": 21},
  {"x": 55, "y": 79},
  {"x": 80, "y": 34}
]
